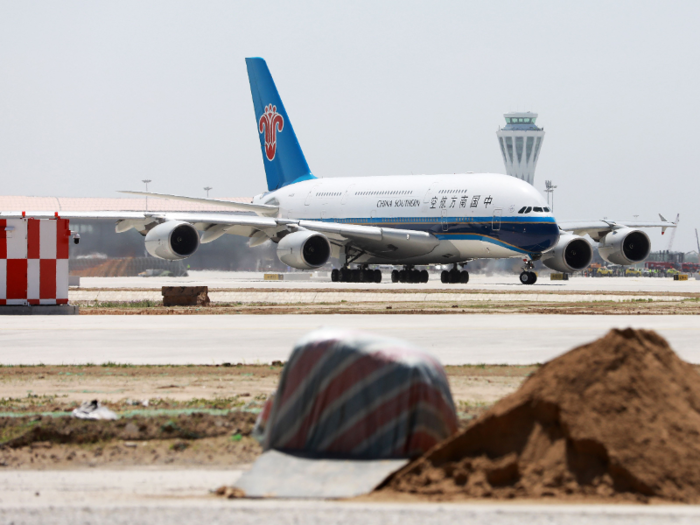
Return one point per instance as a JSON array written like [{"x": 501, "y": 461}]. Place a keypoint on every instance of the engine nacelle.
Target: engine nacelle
[
  {"x": 304, "y": 250},
  {"x": 172, "y": 240},
  {"x": 624, "y": 246},
  {"x": 571, "y": 254}
]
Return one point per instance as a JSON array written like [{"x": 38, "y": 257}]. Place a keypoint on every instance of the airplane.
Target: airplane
[{"x": 398, "y": 220}]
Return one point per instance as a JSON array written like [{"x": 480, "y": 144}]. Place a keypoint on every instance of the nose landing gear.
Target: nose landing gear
[{"x": 528, "y": 276}]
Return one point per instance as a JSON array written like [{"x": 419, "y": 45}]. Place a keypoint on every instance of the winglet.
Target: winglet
[{"x": 662, "y": 218}]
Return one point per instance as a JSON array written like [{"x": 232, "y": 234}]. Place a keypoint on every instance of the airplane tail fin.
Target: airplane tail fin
[{"x": 282, "y": 156}]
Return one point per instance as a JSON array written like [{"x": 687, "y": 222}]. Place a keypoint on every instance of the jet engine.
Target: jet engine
[
  {"x": 624, "y": 246},
  {"x": 571, "y": 254},
  {"x": 304, "y": 250},
  {"x": 172, "y": 240}
]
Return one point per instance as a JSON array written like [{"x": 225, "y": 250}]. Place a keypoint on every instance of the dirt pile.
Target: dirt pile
[
  {"x": 21, "y": 432},
  {"x": 617, "y": 419}
]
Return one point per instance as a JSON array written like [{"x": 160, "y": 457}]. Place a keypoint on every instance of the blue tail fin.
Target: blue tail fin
[{"x": 282, "y": 156}]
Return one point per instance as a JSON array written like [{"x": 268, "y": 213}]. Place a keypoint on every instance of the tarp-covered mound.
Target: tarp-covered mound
[
  {"x": 359, "y": 396},
  {"x": 618, "y": 418}
]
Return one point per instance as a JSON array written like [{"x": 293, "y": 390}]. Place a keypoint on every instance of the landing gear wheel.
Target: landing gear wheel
[
  {"x": 343, "y": 274},
  {"x": 334, "y": 275},
  {"x": 445, "y": 277},
  {"x": 454, "y": 276},
  {"x": 528, "y": 278},
  {"x": 402, "y": 276},
  {"x": 394, "y": 276},
  {"x": 464, "y": 277},
  {"x": 377, "y": 276},
  {"x": 424, "y": 277}
]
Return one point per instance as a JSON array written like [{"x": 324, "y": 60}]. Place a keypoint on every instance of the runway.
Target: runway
[
  {"x": 321, "y": 280},
  {"x": 214, "y": 339}
]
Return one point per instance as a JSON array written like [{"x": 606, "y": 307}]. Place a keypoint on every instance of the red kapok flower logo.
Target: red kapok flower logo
[{"x": 270, "y": 123}]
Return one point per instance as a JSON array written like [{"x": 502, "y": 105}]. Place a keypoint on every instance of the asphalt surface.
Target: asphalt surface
[
  {"x": 175, "y": 497},
  {"x": 496, "y": 282},
  {"x": 215, "y": 339}
]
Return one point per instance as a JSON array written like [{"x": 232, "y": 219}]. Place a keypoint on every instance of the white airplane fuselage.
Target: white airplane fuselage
[{"x": 472, "y": 215}]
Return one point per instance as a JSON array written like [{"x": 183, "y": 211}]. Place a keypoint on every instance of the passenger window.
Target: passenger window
[
  {"x": 529, "y": 209},
  {"x": 538, "y": 210},
  {"x": 522, "y": 210}
]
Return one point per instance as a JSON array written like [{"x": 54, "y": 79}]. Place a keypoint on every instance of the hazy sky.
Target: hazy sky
[{"x": 95, "y": 96}]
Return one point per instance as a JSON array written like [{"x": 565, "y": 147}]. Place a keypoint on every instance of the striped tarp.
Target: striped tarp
[{"x": 359, "y": 395}]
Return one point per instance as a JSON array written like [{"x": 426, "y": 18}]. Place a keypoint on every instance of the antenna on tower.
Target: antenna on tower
[
  {"x": 673, "y": 233},
  {"x": 697, "y": 239}
]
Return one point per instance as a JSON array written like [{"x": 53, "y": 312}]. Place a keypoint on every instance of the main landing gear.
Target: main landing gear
[
  {"x": 409, "y": 275},
  {"x": 528, "y": 276},
  {"x": 454, "y": 276},
  {"x": 360, "y": 275}
]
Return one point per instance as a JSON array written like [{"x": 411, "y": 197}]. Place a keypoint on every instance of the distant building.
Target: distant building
[
  {"x": 99, "y": 239},
  {"x": 521, "y": 141}
]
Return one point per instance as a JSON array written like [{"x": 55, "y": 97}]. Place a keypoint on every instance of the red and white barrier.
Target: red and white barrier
[{"x": 34, "y": 261}]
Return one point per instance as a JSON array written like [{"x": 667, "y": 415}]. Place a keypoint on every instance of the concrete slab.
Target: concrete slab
[
  {"x": 211, "y": 339},
  {"x": 45, "y": 309},
  {"x": 278, "y": 474}
]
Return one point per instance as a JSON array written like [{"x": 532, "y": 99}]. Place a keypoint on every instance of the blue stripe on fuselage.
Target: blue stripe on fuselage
[{"x": 523, "y": 234}]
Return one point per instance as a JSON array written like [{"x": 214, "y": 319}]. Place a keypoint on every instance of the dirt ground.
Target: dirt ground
[
  {"x": 689, "y": 306},
  {"x": 184, "y": 416}
]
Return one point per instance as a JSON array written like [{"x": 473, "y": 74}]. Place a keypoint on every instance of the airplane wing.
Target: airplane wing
[
  {"x": 599, "y": 228},
  {"x": 259, "y": 209},
  {"x": 371, "y": 239}
]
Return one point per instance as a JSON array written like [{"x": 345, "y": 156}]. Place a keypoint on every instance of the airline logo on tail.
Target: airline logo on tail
[{"x": 270, "y": 123}]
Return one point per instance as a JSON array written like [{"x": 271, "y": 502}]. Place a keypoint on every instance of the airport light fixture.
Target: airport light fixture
[
  {"x": 146, "y": 181},
  {"x": 549, "y": 189},
  {"x": 207, "y": 188}
]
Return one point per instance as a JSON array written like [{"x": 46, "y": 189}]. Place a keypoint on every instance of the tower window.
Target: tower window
[
  {"x": 519, "y": 148},
  {"x": 528, "y": 148},
  {"x": 509, "y": 148}
]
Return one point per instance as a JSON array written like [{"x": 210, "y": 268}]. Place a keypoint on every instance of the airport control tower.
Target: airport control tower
[{"x": 520, "y": 143}]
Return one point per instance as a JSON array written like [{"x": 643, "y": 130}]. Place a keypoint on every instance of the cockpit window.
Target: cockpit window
[
  {"x": 522, "y": 210},
  {"x": 529, "y": 209},
  {"x": 538, "y": 210},
  {"x": 546, "y": 209}
]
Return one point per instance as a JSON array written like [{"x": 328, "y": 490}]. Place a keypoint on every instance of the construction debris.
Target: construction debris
[
  {"x": 617, "y": 420},
  {"x": 93, "y": 410},
  {"x": 185, "y": 296}
]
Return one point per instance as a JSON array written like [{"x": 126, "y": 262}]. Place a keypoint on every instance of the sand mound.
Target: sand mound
[{"x": 618, "y": 418}]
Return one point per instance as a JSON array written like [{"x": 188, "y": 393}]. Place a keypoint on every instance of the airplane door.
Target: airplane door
[
  {"x": 313, "y": 190},
  {"x": 443, "y": 220},
  {"x": 348, "y": 192},
  {"x": 496, "y": 224},
  {"x": 430, "y": 194}
]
